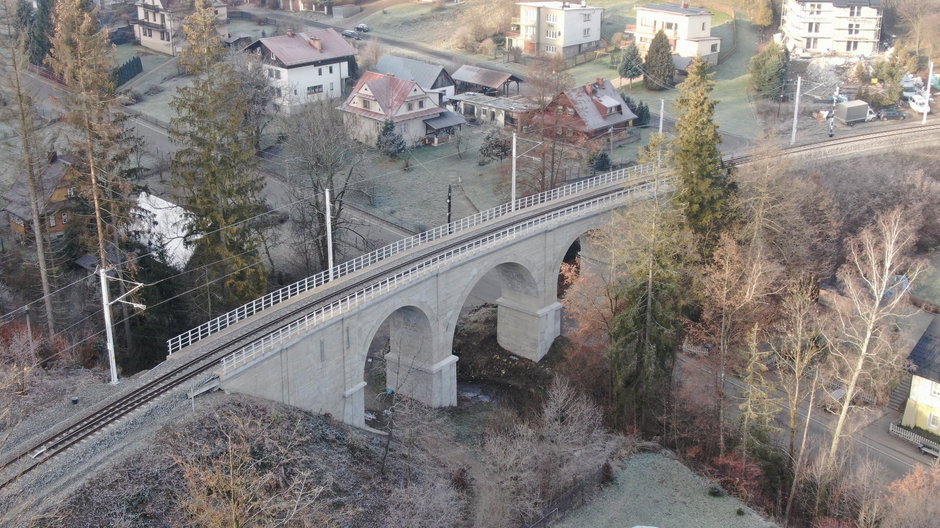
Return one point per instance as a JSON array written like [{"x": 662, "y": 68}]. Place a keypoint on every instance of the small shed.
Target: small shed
[
  {"x": 501, "y": 111},
  {"x": 482, "y": 80}
]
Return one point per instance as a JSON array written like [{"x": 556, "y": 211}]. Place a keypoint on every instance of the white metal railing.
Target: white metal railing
[
  {"x": 269, "y": 342},
  {"x": 225, "y": 320}
]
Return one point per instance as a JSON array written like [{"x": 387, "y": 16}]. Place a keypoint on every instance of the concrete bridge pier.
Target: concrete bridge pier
[
  {"x": 417, "y": 365},
  {"x": 526, "y": 330}
]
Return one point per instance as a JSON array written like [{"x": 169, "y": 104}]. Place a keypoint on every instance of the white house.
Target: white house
[
  {"x": 159, "y": 24},
  {"x": 378, "y": 98},
  {"x": 430, "y": 77},
  {"x": 304, "y": 67},
  {"x": 689, "y": 30},
  {"x": 161, "y": 227},
  {"x": 556, "y": 28},
  {"x": 840, "y": 27}
]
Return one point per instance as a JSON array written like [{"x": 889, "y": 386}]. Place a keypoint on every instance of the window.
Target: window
[
  {"x": 550, "y": 49},
  {"x": 411, "y": 106},
  {"x": 277, "y": 74},
  {"x": 646, "y": 22},
  {"x": 812, "y": 27},
  {"x": 52, "y": 220},
  {"x": 811, "y": 43},
  {"x": 935, "y": 389},
  {"x": 404, "y": 128},
  {"x": 270, "y": 73},
  {"x": 587, "y": 17},
  {"x": 814, "y": 9},
  {"x": 331, "y": 69},
  {"x": 934, "y": 421},
  {"x": 315, "y": 89},
  {"x": 703, "y": 26},
  {"x": 319, "y": 71},
  {"x": 851, "y": 45},
  {"x": 587, "y": 32},
  {"x": 421, "y": 103},
  {"x": 551, "y": 33},
  {"x": 70, "y": 192},
  {"x": 670, "y": 25},
  {"x": 855, "y": 29},
  {"x": 162, "y": 20},
  {"x": 569, "y": 110},
  {"x": 551, "y": 18},
  {"x": 855, "y": 11},
  {"x": 365, "y": 104},
  {"x": 65, "y": 218},
  {"x": 714, "y": 48},
  {"x": 277, "y": 92},
  {"x": 165, "y": 35},
  {"x": 331, "y": 87}
]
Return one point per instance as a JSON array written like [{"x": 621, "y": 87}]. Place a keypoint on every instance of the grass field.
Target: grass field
[{"x": 653, "y": 490}]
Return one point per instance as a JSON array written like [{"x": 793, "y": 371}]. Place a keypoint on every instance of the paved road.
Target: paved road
[{"x": 871, "y": 440}]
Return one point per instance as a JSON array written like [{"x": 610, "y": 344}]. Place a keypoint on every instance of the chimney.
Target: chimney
[
  {"x": 290, "y": 33},
  {"x": 316, "y": 43}
]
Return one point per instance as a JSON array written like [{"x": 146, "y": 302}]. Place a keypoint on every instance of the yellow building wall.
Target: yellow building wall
[{"x": 921, "y": 404}]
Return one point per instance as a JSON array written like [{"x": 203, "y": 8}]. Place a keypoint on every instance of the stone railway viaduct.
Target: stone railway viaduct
[{"x": 318, "y": 362}]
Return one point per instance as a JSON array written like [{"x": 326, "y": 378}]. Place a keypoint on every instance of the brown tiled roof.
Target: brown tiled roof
[
  {"x": 296, "y": 49},
  {"x": 389, "y": 93}
]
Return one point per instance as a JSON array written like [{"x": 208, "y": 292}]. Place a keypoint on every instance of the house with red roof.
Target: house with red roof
[
  {"x": 417, "y": 117},
  {"x": 304, "y": 67},
  {"x": 594, "y": 111}
]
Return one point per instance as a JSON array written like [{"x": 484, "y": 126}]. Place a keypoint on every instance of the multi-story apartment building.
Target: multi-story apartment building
[
  {"x": 304, "y": 67},
  {"x": 840, "y": 27},
  {"x": 689, "y": 30},
  {"x": 556, "y": 28},
  {"x": 159, "y": 24}
]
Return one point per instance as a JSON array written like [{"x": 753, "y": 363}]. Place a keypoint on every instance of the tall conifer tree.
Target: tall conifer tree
[
  {"x": 41, "y": 31},
  {"x": 14, "y": 57},
  {"x": 704, "y": 186},
  {"x": 216, "y": 170},
  {"x": 658, "y": 70}
]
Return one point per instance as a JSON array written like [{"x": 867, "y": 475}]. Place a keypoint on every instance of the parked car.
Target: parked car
[
  {"x": 363, "y": 28},
  {"x": 891, "y": 113},
  {"x": 348, "y": 33}
]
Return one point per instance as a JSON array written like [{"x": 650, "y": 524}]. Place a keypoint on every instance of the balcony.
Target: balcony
[
  {"x": 151, "y": 24},
  {"x": 150, "y": 7}
]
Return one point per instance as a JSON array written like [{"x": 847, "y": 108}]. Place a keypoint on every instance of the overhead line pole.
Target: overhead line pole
[
  {"x": 796, "y": 108},
  {"x": 329, "y": 234},
  {"x": 512, "y": 197},
  {"x": 927, "y": 95}
]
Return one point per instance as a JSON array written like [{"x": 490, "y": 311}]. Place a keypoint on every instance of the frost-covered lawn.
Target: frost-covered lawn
[{"x": 654, "y": 490}]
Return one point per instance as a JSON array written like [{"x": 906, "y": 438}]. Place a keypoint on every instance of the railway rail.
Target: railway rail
[{"x": 63, "y": 437}]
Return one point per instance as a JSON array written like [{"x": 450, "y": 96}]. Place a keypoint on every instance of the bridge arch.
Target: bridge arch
[{"x": 523, "y": 302}]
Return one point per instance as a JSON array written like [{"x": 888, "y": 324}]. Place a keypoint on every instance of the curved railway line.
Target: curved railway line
[{"x": 62, "y": 437}]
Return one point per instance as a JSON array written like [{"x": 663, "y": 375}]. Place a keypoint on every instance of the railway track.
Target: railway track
[{"x": 63, "y": 437}]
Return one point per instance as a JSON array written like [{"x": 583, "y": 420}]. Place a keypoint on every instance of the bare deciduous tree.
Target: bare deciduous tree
[
  {"x": 319, "y": 161},
  {"x": 875, "y": 279},
  {"x": 242, "y": 482}
]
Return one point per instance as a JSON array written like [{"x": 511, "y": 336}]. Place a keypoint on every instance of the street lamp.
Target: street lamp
[{"x": 106, "y": 308}]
